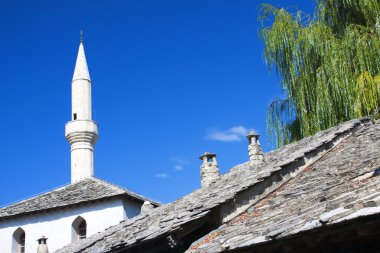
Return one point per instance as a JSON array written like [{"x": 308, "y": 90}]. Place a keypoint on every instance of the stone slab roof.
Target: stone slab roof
[
  {"x": 343, "y": 185},
  {"x": 86, "y": 190},
  {"x": 168, "y": 219}
]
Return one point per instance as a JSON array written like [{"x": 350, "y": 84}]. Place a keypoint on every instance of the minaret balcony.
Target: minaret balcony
[{"x": 81, "y": 131}]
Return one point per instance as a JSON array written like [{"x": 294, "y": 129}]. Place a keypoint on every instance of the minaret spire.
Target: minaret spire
[
  {"x": 81, "y": 132},
  {"x": 81, "y": 68}
]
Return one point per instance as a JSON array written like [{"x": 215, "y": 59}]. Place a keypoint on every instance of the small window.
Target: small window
[
  {"x": 82, "y": 230},
  {"x": 74, "y": 116},
  {"x": 22, "y": 244},
  {"x": 18, "y": 242},
  {"x": 79, "y": 229}
]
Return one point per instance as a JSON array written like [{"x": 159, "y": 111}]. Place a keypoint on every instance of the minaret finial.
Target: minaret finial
[{"x": 81, "y": 36}]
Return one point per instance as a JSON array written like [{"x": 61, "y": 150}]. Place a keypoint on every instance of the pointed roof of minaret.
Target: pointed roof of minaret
[{"x": 81, "y": 68}]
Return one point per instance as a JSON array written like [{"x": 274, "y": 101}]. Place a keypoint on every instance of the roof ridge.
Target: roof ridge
[
  {"x": 244, "y": 165},
  {"x": 361, "y": 119},
  {"x": 130, "y": 192},
  {"x": 34, "y": 196},
  {"x": 85, "y": 190},
  {"x": 61, "y": 187}
]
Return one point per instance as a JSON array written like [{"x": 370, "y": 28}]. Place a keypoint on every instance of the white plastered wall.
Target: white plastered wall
[{"x": 57, "y": 225}]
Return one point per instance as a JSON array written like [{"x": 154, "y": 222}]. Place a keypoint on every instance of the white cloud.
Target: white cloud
[
  {"x": 161, "y": 175},
  {"x": 178, "y": 167},
  {"x": 179, "y": 163},
  {"x": 178, "y": 160},
  {"x": 235, "y": 133}
]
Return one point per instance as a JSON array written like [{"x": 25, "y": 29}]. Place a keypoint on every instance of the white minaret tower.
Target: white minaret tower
[{"x": 81, "y": 132}]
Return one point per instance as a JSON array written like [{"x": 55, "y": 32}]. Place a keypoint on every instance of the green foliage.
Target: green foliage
[{"x": 328, "y": 65}]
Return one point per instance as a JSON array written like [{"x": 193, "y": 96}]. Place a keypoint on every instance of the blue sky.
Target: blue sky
[{"x": 171, "y": 80}]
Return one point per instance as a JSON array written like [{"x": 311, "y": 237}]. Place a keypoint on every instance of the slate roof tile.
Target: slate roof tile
[
  {"x": 84, "y": 191},
  {"x": 202, "y": 201},
  {"x": 298, "y": 206}
]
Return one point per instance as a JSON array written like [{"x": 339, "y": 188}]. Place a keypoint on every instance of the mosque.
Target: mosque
[
  {"x": 319, "y": 194},
  {"x": 71, "y": 213}
]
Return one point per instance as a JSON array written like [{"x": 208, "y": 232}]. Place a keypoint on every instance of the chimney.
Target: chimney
[
  {"x": 42, "y": 246},
  {"x": 146, "y": 207},
  {"x": 256, "y": 155},
  {"x": 209, "y": 169}
]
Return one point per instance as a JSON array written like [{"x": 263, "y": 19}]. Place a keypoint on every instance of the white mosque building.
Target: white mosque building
[{"x": 84, "y": 207}]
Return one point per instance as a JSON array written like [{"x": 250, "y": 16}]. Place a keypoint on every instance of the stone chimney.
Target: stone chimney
[
  {"x": 42, "y": 246},
  {"x": 209, "y": 169},
  {"x": 256, "y": 155},
  {"x": 146, "y": 207}
]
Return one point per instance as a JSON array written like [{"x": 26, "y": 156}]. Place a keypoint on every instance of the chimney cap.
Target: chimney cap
[
  {"x": 147, "y": 203},
  {"x": 252, "y": 133},
  {"x": 208, "y": 155},
  {"x": 42, "y": 238}
]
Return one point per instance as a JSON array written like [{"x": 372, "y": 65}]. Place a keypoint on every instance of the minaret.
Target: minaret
[{"x": 81, "y": 132}]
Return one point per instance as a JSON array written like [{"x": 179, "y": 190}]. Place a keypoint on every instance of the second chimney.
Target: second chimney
[
  {"x": 42, "y": 246},
  {"x": 256, "y": 155},
  {"x": 209, "y": 169}
]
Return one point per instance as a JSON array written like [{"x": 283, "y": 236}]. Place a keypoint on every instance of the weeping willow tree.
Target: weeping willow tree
[{"x": 328, "y": 65}]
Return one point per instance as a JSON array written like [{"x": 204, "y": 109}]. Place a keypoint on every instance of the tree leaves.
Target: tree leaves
[{"x": 328, "y": 66}]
